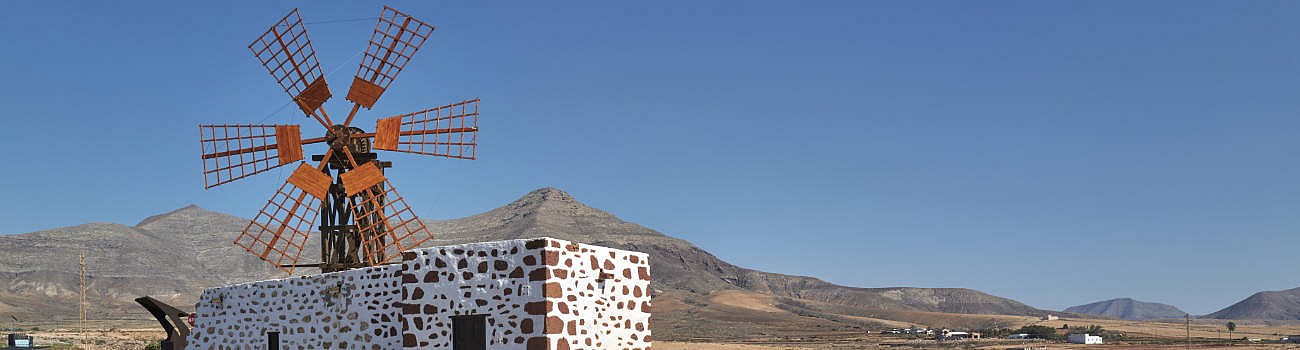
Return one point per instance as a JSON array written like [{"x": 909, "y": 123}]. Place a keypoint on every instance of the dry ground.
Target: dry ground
[
  {"x": 670, "y": 345},
  {"x": 974, "y": 345},
  {"x": 737, "y": 320},
  {"x": 1164, "y": 347},
  {"x": 104, "y": 339},
  {"x": 728, "y": 319},
  {"x": 1210, "y": 329},
  {"x": 135, "y": 339}
]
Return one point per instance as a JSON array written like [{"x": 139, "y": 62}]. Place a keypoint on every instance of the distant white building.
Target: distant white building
[
  {"x": 1018, "y": 336},
  {"x": 1084, "y": 339},
  {"x": 917, "y": 330},
  {"x": 1050, "y": 318},
  {"x": 947, "y": 334}
]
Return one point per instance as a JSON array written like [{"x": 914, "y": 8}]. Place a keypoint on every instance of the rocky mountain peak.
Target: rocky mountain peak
[
  {"x": 553, "y": 203},
  {"x": 189, "y": 209},
  {"x": 550, "y": 194},
  {"x": 189, "y": 218}
]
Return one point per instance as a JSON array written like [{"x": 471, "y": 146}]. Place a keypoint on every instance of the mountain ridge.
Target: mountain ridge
[
  {"x": 1266, "y": 305},
  {"x": 174, "y": 255},
  {"x": 1128, "y": 309}
]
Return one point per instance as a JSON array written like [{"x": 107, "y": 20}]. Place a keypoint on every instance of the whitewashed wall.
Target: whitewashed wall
[
  {"x": 473, "y": 279},
  {"x": 536, "y": 294},
  {"x": 588, "y": 311},
  {"x": 342, "y": 310}
]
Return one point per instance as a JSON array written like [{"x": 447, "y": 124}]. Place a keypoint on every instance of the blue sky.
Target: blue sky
[{"x": 1056, "y": 153}]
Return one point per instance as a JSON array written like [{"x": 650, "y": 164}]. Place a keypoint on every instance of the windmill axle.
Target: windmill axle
[{"x": 351, "y": 137}]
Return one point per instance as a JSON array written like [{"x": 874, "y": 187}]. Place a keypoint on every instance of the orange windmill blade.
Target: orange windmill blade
[
  {"x": 396, "y": 38},
  {"x": 233, "y": 152},
  {"x": 447, "y": 131},
  {"x": 280, "y": 230},
  {"x": 385, "y": 224},
  {"x": 286, "y": 52}
]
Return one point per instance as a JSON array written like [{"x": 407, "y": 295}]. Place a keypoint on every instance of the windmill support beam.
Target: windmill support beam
[{"x": 340, "y": 240}]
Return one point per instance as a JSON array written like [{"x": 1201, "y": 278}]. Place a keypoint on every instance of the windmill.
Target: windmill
[{"x": 363, "y": 221}]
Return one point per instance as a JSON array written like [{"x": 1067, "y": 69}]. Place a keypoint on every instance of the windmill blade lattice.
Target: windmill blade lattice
[
  {"x": 280, "y": 230},
  {"x": 396, "y": 38},
  {"x": 362, "y": 219},
  {"x": 286, "y": 52},
  {"x": 233, "y": 152},
  {"x": 387, "y": 226},
  {"x": 447, "y": 131}
]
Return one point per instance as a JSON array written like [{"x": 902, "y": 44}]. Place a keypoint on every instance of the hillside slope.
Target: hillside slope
[
  {"x": 1128, "y": 309},
  {"x": 1268, "y": 305},
  {"x": 680, "y": 265}
]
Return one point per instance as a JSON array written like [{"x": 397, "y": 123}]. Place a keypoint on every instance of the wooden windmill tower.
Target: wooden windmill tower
[{"x": 363, "y": 221}]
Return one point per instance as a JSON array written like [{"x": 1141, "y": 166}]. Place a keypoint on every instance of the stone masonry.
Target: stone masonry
[{"x": 533, "y": 294}]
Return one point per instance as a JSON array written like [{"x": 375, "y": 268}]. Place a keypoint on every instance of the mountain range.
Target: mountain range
[
  {"x": 175, "y": 255},
  {"x": 1128, "y": 309},
  {"x": 1268, "y": 305}
]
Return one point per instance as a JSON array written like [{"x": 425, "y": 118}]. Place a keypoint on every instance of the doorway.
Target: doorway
[
  {"x": 272, "y": 340},
  {"x": 469, "y": 332}
]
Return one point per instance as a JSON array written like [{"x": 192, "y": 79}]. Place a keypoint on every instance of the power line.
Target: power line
[
  {"x": 336, "y": 21},
  {"x": 332, "y": 72},
  {"x": 344, "y": 20}
]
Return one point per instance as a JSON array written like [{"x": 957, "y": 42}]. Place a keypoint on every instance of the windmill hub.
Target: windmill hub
[{"x": 340, "y": 137}]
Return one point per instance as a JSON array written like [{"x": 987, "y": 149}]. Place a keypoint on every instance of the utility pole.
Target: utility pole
[
  {"x": 1188, "y": 317},
  {"x": 81, "y": 306}
]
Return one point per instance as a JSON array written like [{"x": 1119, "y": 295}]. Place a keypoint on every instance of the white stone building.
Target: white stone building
[
  {"x": 1084, "y": 339},
  {"x": 531, "y": 294}
]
